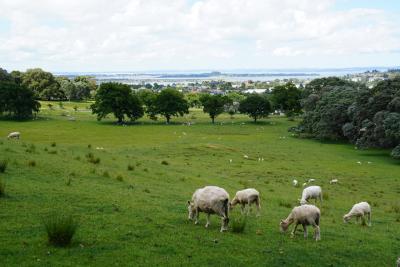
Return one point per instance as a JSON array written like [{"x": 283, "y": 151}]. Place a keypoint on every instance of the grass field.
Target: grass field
[{"x": 139, "y": 216}]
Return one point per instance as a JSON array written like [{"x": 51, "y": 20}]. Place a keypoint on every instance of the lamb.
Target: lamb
[
  {"x": 210, "y": 200},
  {"x": 334, "y": 181},
  {"x": 311, "y": 192},
  {"x": 295, "y": 183},
  {"x": 359, "y": 210},
  {"x": 304, "y": 215},
  {"x": 247, "y": 197},
  {"x": 14, "y": 135}
]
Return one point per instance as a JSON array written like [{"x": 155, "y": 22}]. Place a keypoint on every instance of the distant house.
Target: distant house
[{"x": 257, "y": 91}]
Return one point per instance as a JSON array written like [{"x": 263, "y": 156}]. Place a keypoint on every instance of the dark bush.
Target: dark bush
[
  {"x": 60, "y": 229},
  {"x": 3, "y": 165}
]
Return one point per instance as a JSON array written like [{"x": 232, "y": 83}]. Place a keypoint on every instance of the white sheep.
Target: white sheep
[
  {"x": 304, "y": 215},
  {"x": 247, "y": 197},
  {"x": 334, "y": 181},
  {"x": 398, "y": 262},
  {"x": 359, "y": 210},
  {"x": 311, "y": 180},
  {"x": 311, "y": 192},
  {"x": 295, "y": 183},
  {"x": 14, "y": 135},
  {"x": 210, "y": 200},
  {"x": 245, "y": 156}
]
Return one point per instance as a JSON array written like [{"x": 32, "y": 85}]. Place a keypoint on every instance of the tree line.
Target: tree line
[{"x": 335, "y": 109}]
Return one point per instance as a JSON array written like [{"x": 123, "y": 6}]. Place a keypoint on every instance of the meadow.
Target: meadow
[{"x": 128, "y": 187}]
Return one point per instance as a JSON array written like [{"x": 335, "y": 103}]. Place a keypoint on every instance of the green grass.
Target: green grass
[{"x": 142, "y": 218}]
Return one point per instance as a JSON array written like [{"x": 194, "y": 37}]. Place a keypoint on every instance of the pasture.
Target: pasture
[{"x": 131, "y": 205}]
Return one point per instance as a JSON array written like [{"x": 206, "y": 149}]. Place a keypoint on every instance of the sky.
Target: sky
[{"x": 142, "y": 35}]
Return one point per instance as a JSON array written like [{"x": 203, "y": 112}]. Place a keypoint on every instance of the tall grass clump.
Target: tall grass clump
[
  {"x": 238, "y": 224},
  {"x": 60, "y": 229},
  {"x": 92, "y": 159},
  {"x": 131, "y": 167},
  {"x": 3, "y": 166},
  {"x": 2, "y": 188}
]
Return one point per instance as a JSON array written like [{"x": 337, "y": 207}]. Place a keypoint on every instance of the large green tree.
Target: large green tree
[
  {"x": 42, "y": 83},
  {"x": 256, "y": 106},
  {"x": 118, "y": 99},
  {"x": 213, "y": 104},
  {"x": 170, "y": 102},
  {"x": 17, "y": 101},
  {"x": 287, "y": 98}
]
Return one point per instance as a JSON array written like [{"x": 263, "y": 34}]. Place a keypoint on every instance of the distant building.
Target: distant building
[{"x": 257, "y": 91}]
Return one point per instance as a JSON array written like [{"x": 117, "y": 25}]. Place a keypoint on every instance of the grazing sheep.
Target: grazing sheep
[
  {"x": 247, "y": 197},
  {"x": 14, "y": 135},
  {"x": 311, "y": 180},
  {"x": 311, "y": 192},
  {"x": 295, "y": 183},
  {"x": 245, "y": 156},
  {"x": 210, "y": 200},
  {"x": 359, "y": 210},
  {"x": 304, "y": 215},
  {"x": 334, "y": 181}
]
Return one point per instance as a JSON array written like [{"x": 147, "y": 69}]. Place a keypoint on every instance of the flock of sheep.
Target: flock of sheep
[{"x": 215, "y": 200}]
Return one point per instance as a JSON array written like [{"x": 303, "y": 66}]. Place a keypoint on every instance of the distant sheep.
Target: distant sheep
[
  {"x": 311, "y": 192},
  {"x": 247, "y": 197},
  {"x": 245, "y": 156},
  {"x": 311, "y": 180},
  {"x": 333, "y": 181},
  {"x": 210, "y": 200},
  {"x": 295, "y": 183},
  {"x": 14, "y": 135},
  {"x": 359, "y": 210},
  {"x": 304, "y": 215}
]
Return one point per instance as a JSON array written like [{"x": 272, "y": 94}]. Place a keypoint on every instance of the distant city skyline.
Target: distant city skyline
[{"x": 156, "y": 35}]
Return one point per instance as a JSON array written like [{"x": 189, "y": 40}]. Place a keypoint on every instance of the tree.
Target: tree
[
  {"x": 213, "y": 104},
  {"x": 148, "y": 98},
  {"x": 118, "y": 99},
  {"x": 17, "y": 101},
  {"x": 68, "y": 87},
  {"x": 170, "y": 102},
  {"x": 38, "y": 81},
  {"x": 287, "y": 98},
  {"x": 5, "y": 76},
  {"x": 256, "y": 106}
]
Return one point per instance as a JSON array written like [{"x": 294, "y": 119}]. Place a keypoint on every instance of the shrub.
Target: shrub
[
  {"x": 60, "y": 229},
  {"x": 239, "y": 224},
  {"x": 119, "y": 178},
  {"x": 3, "y": 166},
  {"x": 76, "y": 108},
  {"x": 164, "y": 162},
  {"x": 131, "y": 167},
  {"x": 2, "y": 188},
  {"x": 92, "y": 159},
  {"x": 32, "y": 163}
]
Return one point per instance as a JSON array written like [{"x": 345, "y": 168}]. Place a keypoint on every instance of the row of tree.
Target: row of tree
[
  {"x": 335, "y": 109},
  {"x": 120, "y": 100},
  {"x": 46, "y": 86}
]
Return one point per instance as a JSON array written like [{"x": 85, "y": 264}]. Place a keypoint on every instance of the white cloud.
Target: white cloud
[{"x": 157, "y": 34}]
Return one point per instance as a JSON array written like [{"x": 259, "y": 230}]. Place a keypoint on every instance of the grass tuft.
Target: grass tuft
[
  {"x": 60, "y": 229},
  {"x": 285, "y": 204},
  {"x": 238, "y": 224},
  {"x": 53, "y": 144},
  {"x": 119, "y": 178},
  {"x": 31, "y": 163},
  {"x": 2, "y": 188},
  {"x": 31, "y": 149},
  {"x": 106, "y": 174},
  {"x": 3, "y": 165},
  {"x": 131, "y": 167},
  {"x": 92, "y": 159},
  {"x": 164, "y": 162}
]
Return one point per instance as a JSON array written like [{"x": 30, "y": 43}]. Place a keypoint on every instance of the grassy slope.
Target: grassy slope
[{"x": 143, "y": 218}]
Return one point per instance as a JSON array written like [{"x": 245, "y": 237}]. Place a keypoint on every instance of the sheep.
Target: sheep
[
  {"x": 359, "y": 210},
  {"x": 14, "y": 135},
  {"x": 304, "y": 215},
  {"x": 398, "y": 262},
  {"x": 295, "y": 183},
  {"x": 247, "y": 197},
  {"x": 334, "y": 181},
  {"x": 311, "y": 192},
  {"x": 210, "y": 200},
  {"x": 245, "y": 156},
  {"x": 311, "y": 180}
]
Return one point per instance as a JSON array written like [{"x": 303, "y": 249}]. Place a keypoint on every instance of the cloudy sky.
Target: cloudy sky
[{"x": 134, "y": 35}]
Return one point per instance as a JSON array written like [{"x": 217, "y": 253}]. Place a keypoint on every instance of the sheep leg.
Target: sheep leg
[
  {"x": 197, "y": 216},
  {"x": 357, "y": 219},
  {"x": 248, "y": 207},
  {"x": 305, "y": 230},
  {"x": 369, "y": 218},
  {"x": 294, "y": 230},
  {"x": 208, "y": 220},
  {"x": 317, "y": 233},
  {"x": 242, "y": 208},
  {"x": 258, "y": 206}
]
